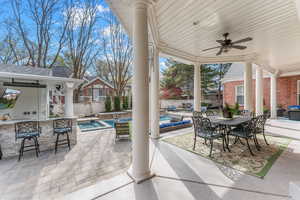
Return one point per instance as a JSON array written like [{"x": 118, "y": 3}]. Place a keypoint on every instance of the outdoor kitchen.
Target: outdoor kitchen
[{"x": 24, "y": 102}]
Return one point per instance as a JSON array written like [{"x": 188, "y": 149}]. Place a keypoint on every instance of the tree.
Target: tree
[
  {"x": 81, "y": 47},
  {"x": 218, "y": 72},
  {"x": 38, "y": 26},
  {"x": 108, "y": 104},
  {"x": 115, "y": 65}
]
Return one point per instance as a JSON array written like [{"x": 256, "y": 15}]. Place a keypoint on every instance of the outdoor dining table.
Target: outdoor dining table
[{"x": 228, "y": 124}]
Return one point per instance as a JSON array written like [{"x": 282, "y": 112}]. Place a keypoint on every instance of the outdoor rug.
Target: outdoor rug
[{"x": 239, "y": 158}]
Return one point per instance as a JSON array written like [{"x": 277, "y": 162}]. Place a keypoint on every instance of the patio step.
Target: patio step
[{"x": 284, "y": 128}]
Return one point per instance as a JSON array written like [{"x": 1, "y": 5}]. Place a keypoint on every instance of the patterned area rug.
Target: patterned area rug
[{"x": 239, "y": 158}]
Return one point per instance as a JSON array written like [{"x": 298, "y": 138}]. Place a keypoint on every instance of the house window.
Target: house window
[
  {"x": 239, "y": 94},
  {"x": 298, "y": 92}
]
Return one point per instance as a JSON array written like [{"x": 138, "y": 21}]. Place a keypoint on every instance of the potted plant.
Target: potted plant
[{"x": 227, "y": 112}]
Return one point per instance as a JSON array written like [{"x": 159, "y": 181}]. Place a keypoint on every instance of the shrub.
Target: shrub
[
  {"x": 117, "y": 103},
  {"x": 125, "y": 103},
  {"x": 108, "y": 104}
]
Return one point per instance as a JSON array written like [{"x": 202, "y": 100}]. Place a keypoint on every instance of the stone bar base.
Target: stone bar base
[{"x": 10, "y": 147}]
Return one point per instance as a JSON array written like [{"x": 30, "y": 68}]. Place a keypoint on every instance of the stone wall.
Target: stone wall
[{"x": 10, "y": 147}]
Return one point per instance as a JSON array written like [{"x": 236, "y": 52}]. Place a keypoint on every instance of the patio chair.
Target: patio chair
[
  {"x": 197, "y": 114},
  {"x": 246, "y": 131},
  {"x": 260, "y": 126},
  {"x": 29, "y": 130},
  {"x": 247, "y": 113},
  {"x": 62, "y": 127},
  {"x": 204, "y": 129},
  {"x": 210, "y": 113},
  {"x": 176, "y": 118},
  {"x": 122, "y": 129}
]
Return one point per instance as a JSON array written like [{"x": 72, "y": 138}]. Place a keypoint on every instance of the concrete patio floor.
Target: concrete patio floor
[
  {"x": 94, "y": 158},
  {"x": 184, "y": 175}
]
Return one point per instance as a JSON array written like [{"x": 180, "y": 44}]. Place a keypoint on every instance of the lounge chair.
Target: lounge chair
[
  {"x": 171, "y": 108},
  {"x": 122, "y": 130},
  {"x": 176, "y": 118}
]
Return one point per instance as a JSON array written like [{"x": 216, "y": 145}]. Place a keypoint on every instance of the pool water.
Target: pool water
[
  {"x": 111, "y": 122},
  {"x": 90, "y": 125}
]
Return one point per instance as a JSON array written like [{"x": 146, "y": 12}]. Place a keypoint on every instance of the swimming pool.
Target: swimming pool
[
  {"x": 111, "y": 122},
  {"x": 91, "y": 125}
]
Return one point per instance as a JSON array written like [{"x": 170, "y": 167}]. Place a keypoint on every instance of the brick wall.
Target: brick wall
[{"x": 286, "y": 91}]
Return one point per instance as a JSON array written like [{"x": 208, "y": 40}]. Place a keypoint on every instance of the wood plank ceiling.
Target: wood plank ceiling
[{"x": 273, "y": 24}]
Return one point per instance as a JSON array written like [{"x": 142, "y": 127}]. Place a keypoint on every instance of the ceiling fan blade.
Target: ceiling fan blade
[
  {"x": 219, "y": 53},
  {"x": 238, "y": 47},
  {"x": 220, "y": 41},
  {"x": 211, "y": 48},
  {"x": 242, "y": 40}
]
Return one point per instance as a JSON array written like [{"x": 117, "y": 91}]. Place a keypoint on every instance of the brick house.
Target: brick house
[
  {"x": 95, "y": 89},
  {"x": 288, "y": 87}
]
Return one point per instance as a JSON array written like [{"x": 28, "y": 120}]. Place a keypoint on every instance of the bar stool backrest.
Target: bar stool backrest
[
  {"x": 22, "y": 128},
  {"x": 62, "y": 123}
]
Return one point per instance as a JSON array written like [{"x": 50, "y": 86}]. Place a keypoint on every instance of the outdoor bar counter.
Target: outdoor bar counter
[{"x": 10, "y": 146}]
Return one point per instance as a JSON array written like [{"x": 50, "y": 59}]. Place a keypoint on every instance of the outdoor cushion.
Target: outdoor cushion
[
  {"x": 62, "y": 130},
  {"x": 29, "y": 134},
  {"x": 294, "y": 107}
]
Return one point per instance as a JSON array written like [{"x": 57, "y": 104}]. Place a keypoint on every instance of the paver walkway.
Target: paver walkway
[{"x": 95, "y": 157}]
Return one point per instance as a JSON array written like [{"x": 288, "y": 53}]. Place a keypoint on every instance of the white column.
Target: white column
[
  {"x": 248, "y": 86},
  {"x": 154, "y": 96},
  {"x": 69, "y": 110},
  {"x": 273, "y": 96},
  {"x": 259, "y": 94},
  {"x": 197, "y": 87},
  {"x": 140, "y": 124}
]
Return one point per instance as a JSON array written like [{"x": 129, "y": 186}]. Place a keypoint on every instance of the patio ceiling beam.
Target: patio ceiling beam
[
  {"x": 152, "y": 20},
  {"x": 184, "y": 56},
  {"x": 298, "y": 7}
]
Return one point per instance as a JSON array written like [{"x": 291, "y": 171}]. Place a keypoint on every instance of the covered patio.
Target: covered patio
[{"x": 182, "y": 29}]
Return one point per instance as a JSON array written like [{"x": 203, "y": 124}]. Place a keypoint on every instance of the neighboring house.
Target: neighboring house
[
  {"x": 95, "y": 89},
  {"x": 288, "y": 87}
]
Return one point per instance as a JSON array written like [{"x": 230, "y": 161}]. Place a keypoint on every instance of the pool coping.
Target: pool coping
[{"x": 106, "y": 126}]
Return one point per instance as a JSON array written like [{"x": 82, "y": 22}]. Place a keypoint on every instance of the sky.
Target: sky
[{"x": 102, "y": 7}]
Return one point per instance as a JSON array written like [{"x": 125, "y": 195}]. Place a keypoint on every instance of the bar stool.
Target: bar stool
[
  {"x": 28, "y": 130},
  {"x": 1, "y": 154},
  {"x": 62, "y": 127}
]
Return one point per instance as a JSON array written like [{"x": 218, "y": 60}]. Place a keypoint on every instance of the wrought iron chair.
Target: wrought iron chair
[
  {"x": 210, "y": 113},
  {"x": 260, "y": 126},
  {"x": 197, "y": 114},
  {"x": 62, "y": 127},
  {"x": 29, "y": 130},
  {"x": 246, "y": 131},
  {"x": 247, "y": 113},
  {"x": 204, "y": 129}
]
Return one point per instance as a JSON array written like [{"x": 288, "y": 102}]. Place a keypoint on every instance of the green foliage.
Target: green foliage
[
  {"x": 131, "y": 102},
  {"x": 108, "y": 104},
  {"x": 179, "y": 75},
  {"x": 236, "y": 109},
  {"x": 117, "y": 103},
  {"x": 125, "y": 103}
]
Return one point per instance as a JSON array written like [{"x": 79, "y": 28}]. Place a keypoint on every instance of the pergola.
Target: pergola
[{"x": 181, "y": 29}]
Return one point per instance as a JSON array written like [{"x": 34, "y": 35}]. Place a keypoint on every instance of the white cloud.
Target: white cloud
[{"x": 102, "y": 9}]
